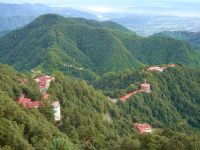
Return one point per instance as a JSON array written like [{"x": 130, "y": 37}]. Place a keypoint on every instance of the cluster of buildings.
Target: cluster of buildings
[
  {"x": 43, "y": 84},
  {"x": 144, "y": 87}
]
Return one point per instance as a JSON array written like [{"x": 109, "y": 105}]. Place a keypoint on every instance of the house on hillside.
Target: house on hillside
[
  {"x": 28, "y": 103},
  {"x": 57, "y": 112},
  {"x": 145, "y": 87},
  {"x": 143, "y": 128},
  {"x": 44, "y": 83},
  {"x": 156, "y": 68}
]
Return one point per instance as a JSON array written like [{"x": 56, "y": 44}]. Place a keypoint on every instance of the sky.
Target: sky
[{"x": 187, "y": 8}]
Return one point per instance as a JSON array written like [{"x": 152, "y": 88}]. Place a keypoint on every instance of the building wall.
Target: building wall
[{"x": 57, "y": 113}]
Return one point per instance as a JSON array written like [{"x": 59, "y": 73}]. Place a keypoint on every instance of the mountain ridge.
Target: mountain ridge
[
  {"x": 191, "y": 37},
  {"x": 53, "y": 42}
]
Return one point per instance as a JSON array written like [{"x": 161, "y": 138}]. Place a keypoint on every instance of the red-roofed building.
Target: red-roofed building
[
  {"x": 129, "y": 95},
  {"x": 28, "y": 103},
  {"x": 34, "y": 104},
  {"x": 145, "y": 87},
  {"x": 143, "y": 128},
  {"x": 44, "y": 82}
]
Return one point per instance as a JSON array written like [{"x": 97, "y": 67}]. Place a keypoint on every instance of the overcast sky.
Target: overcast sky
[{"x": 165, "y": 7}]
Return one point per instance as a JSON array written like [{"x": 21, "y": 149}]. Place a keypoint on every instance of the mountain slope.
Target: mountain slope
[
  {"x": 22, "y": 128},
  {"x": 192, "y": 37},
  {"x": 160, "y": 50},
  {"x": 88, "y": 48},
  {"x": 173, "y": 101},
  {"x": 60, "y": 41},
  {"x": 89, "y": 119}
]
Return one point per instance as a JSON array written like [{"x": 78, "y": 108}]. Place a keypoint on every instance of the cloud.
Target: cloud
[{"x": 100, "y": 9}]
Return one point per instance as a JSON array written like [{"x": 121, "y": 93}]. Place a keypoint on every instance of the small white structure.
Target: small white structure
[
  {"x": 57, "y": 112},
  {"x": 156, "y": 68}
]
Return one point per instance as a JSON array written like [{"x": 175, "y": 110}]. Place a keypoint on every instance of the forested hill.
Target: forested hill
[
  {"x": 88, "y": 48},
  {"x": 21, "y": 128},
  {"x": 52, "y": 41},
  {"x": 173, "y": 102},
  {"x": 192, "y": 37},
  {"x": 91, "y": 121}
]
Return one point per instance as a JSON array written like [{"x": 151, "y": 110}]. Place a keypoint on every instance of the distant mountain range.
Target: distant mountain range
[
  {"x": 88, "y": 48},
  {"x": 17, "y": 15}
]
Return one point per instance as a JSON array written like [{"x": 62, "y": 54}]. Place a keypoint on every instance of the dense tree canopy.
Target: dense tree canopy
[
  {"x": 88, "y": 48},
  {"x": 108, "y": 56},
  {"x": 91, "y": 121}
]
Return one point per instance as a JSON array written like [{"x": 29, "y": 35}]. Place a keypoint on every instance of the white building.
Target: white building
[{"x": 57, "y": 112}]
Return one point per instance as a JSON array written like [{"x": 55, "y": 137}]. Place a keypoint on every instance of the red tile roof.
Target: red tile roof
[
  {"x": 145, "y": 85},
  {"x": 33, "y": 104},
  {"x": 127, "y": 96},
  {"x": 43, "y": 80},
  {"x": 28, "y": 103},
  {"x": 142, "y": 128}
]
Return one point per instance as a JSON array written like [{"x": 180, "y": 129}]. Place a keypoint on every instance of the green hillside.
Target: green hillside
[
  {"x": 160, "y": 50},
  {"x": 21, "y": 128},
  {"x": 88, "y": 48},
  {"x": 192, "y": 37},
  {"x": 173, "y": 102},
  {"x": 52, "y": 41},
  {"x": 90, "y": 120}
]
